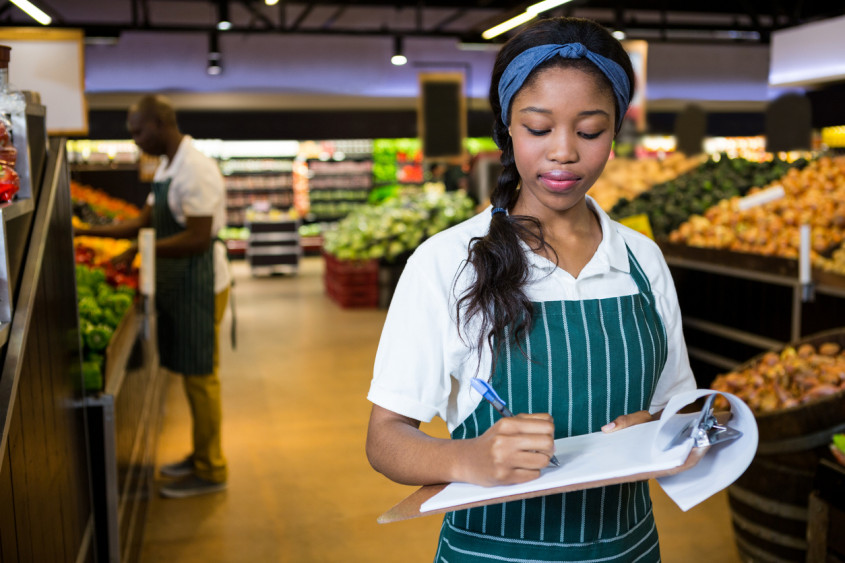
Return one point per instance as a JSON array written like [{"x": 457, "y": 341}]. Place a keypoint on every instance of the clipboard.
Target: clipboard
[
  {"x": 669, "y": 450},
  {"x": 410, "y": 507}
]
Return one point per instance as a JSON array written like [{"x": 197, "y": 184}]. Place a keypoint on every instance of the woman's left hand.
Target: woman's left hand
[{"x": 626, "y": 420}]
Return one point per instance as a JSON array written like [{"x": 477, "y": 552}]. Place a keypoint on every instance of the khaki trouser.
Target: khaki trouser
[{"x": 203, "y": 393}]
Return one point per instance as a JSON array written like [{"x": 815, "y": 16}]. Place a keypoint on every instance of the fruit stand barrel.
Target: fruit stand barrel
[{"x": 769, "y": 502}]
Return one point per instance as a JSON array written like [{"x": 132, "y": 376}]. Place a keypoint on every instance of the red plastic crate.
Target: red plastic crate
[
  {"x": 351, "y": 283},
  {"x": 349, "y": 296}
]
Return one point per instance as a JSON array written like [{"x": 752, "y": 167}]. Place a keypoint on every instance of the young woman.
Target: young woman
[{"x": 572, "y": 317}]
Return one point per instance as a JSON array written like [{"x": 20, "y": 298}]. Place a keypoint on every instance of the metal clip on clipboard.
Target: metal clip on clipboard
[{"x": 705, "y": 430}]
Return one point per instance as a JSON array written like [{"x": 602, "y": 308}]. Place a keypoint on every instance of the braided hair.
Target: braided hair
[{"x": 496, "y": 298}]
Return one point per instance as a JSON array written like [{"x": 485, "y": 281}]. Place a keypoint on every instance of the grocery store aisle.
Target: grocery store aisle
[{"x": 295, "y": 417}]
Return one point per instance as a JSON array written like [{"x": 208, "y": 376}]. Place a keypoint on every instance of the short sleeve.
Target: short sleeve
[
  {"x": 411, "y": 374},
  {"x": 201, "y": 189},
  {"x": 677, "y": 376}
]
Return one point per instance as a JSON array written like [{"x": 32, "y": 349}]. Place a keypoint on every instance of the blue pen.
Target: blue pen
[{"x": 486, "y": 390}]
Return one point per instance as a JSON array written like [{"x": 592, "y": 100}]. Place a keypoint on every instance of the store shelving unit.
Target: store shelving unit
[
  {"x": 267, "y": 181},
  {"x": 736, "y": 305},
  {"x": 337, "y": 187},
  {"x": 273, "y": 245}
]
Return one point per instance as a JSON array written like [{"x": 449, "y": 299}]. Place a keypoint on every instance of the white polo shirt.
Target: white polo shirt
[
  {"x": 197, "y": 190},
  {"x": 423, "y": 366}
]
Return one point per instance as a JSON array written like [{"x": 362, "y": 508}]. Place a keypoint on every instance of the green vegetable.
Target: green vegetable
[
  {"x": 92, "y": 376},
  {"x": 125, "y": 290},
  {"x": 118, "y": 302},
  {"x": 839, "y": 442},
  {"x": 89, "y": 308},
  {"x": 672, "y": 202},
  {"x": 397, "y": 226},
  {"x": 97, "y": 337},
  {"x": 111, "y": 318},
  {"x": 84, "y": 291}
]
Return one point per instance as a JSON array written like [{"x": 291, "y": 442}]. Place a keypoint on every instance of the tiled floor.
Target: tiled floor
[{"x": 295, "y": 418}]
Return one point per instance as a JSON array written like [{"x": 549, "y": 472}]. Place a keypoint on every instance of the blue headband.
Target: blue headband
[{"x": 522, "y": 65}]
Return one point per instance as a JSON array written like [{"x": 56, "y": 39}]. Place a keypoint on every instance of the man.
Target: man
[{"x": 186, "y": 209}]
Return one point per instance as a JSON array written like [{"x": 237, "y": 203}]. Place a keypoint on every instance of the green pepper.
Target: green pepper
[
  {"x": 126, "y": 290},
  {"x": 84, "y": 291},
  {"x": 118, "y": 302},
  {"x": 111, "y": 318},
  {"x": 98, "y": 336},
  {"x": 92, "y": 376},
  {"x": 98, "y": 359},
  {"x": 89, "y": 308},
  {"x": 82, "y": 275},
  {"x": 96, "y": 276}
]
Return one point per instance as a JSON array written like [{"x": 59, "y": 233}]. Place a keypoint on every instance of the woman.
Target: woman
[{"x": 572, "y": 317}]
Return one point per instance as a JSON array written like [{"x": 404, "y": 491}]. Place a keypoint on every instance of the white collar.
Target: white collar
[
  {"x": 611, "y": 252},
  {"x": 178, "y": 157}
]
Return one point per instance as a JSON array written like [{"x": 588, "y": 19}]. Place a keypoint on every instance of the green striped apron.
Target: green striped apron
[
  {"x": 184, "y": 299},
  {"x": 591, "y": 361}
]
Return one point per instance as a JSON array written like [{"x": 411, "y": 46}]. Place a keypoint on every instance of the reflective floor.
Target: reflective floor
[{"x": 295, "y": 418}]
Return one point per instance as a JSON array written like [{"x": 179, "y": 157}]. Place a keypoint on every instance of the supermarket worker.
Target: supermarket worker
[
  {"x": 573, "y": 319},
  {"x": 186, "y": 209}
]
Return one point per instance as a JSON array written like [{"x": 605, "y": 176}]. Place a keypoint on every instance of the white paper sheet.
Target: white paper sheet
[
  {"x": 722, "y": 465},
  {"x": 631, "y": 451}
]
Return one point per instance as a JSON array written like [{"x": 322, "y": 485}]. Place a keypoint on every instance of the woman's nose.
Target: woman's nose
[{"x": 562, "y": 148}]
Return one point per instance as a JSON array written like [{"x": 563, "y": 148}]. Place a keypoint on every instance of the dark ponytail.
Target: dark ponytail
[{"x": 496, "y": 296}]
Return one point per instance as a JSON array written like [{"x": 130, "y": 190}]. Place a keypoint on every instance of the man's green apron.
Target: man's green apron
[
  {"x": 184, "y": 298},
  {"x": 590, "y": 361}
]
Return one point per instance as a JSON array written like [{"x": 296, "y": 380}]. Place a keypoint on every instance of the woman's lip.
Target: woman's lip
[
  {"x": 559, "y": 181},
  {"x": 559, "y": 176}
]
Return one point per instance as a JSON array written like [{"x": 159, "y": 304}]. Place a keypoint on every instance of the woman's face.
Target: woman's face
[{"x": 562, "y": 126}]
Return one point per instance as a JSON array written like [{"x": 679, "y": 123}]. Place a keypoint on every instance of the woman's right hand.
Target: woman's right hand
[{"x": 513, "y": 450}]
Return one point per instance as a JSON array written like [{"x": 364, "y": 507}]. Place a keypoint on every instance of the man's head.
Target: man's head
[{"x": 152, "y": 124}]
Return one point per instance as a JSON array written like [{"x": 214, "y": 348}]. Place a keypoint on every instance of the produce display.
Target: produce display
[
  {"x": 813, "y": 196},
  {"x": 670, "y": 203},
  {"x": 98, "y": 250},
  {"x": 627, "y": 177},
  {"x": 396, "y": 226},
  {"x": 104, "y": 290},
  {"x": 836, "y": 262},
  {"x": 103, "y": 297},
  {"x": 397, "y": 160},
  {"x": 787, "y": 379},
  {"x": 837, "y": 448},
  {"x": 10, "y": 182},
  {"x": 95, "y": 207}
]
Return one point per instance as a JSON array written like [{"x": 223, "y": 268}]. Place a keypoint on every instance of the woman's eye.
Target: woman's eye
[
  {"x": 537, "y": 132},
  {"x": 589, "y": 136}
]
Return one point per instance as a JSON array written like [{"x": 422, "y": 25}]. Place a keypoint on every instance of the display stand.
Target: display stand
[
  {"x": 337, "y": 187},
  {"x": 273, "y": 245},
  {"x": 268, "y": 181},
  {"x": 736, "y": 305},
  {"x": 123, "y": 424},
  {"x": 44, "y": 468}
]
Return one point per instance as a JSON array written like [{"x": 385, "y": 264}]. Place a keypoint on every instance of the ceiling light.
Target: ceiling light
[
  {"x": 544, "y": 6},
  {"x": 223, "y": 22},
  {"x": 398, "y": 57},
  {"x": 497, "y": 30},
  {"x": 33, "y": 11},
  {"x": 271, "y": 2},
  {"x": 214, "y": 59},
  {"x": 619, "y": 34}
]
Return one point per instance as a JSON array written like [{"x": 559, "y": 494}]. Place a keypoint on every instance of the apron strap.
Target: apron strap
[{"x": 234, "y": 329}]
